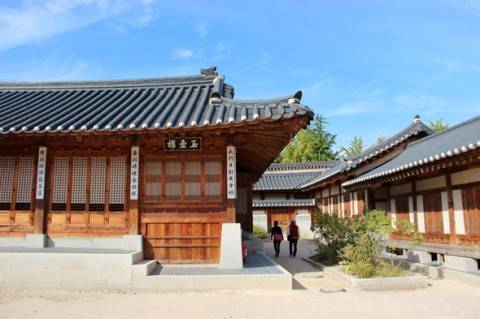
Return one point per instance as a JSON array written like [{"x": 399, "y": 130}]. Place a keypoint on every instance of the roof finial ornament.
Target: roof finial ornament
[
  {"x": 212, "y": 71},
  {"x": 416, "y": 119}
]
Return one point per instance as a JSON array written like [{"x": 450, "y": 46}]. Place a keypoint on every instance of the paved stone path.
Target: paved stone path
[{"x": 305, "y": 276}]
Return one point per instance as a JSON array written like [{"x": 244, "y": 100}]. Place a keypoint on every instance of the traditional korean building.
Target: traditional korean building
[
  {"x": 166, "y": 160},
  {"x": 327, "y": 188},
  {"x": 278, "y": 196},
  {"x": 434, "y": 183}
]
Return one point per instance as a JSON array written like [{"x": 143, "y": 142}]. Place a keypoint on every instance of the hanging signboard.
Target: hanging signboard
[
  {"x": 183, "y": 144},
  {"x": 231, "y": 172},
  {"x": 134, "y": 162},
  {"x": 42, "y": 164}
]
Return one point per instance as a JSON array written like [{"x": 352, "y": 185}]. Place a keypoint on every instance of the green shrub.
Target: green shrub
[
  {"x": 363, "y": 256},
  {"x": 260, "y": 232},
  {"x": 334, "y": 234}
]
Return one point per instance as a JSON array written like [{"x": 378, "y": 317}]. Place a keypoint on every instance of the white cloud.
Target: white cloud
[
  {"x": 182, "y": 54},
  {"x": 32, "y": 21},
  {"x": 201, "y": 29},
  {"x": 56, "y": 67},
  {"x": 472, "y": 6},
  {"x": 348, "y": 110}
]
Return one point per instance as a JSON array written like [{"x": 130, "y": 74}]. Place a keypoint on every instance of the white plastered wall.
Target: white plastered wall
[
  {"x": 401, "y": 189},
  {"x": 420, "y": 214},
  {"x": 458, "y": 212},
  {"x": 467, "y": 176},
  {"x": 393, "y": 212},
  {"x": 431, "y": 183},
  {"x": 445, "y": 216}
]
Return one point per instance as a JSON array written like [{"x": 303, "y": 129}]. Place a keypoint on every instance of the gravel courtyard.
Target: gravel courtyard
[{"x": 443, "y": 299}]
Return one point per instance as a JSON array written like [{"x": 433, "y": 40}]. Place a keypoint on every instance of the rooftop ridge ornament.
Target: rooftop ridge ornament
[{"x": 212, "y": 71}]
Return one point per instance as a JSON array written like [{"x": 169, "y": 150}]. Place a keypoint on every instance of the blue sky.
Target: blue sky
[{"x": 368, "y": 66}]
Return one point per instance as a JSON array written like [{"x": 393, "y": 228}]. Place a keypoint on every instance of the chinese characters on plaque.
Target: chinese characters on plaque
[
  {"x": 183, "y": 144},
  {"x": 231, "y": 172},
  {"x": 134, "y": 173},
  {"x": 42, "y": 160}
]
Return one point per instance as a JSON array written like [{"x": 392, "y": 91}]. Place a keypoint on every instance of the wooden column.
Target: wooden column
[
  {"x": 231, "y": 183},
  {"x": 414, "y": 199},
  {"x": 451, "y": 211},
  {"x": 134, "y": 187},
  {"x": 39, "y": 216}
]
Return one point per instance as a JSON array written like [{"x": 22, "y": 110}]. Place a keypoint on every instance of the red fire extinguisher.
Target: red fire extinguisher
[{"x": 244, "y": 251}]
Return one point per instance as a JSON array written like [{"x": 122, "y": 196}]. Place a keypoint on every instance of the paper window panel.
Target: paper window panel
[
  {"x": 97, "y": 186},
  {"x": 213, "y": 181},
  {"x": 117, "y": 183},
  {"x": 79, "y": 183},
  {"x": 60, "y": 184},
  {"x": 24, "y": 183},
  {"x": 153, "y": 168},
  {"x": 173, "y": 182},
  {"x": 6, "y": 181},
  {"x": 153, "y": 180},
  {"x": 192, "y": 180}
]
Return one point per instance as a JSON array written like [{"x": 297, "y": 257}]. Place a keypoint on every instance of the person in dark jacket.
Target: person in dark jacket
[
  {"x": 277, "y": 236},
  {"x": 293, "y": 236}
]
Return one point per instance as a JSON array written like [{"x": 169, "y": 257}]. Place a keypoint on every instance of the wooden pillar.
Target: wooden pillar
[
  {"x": 134, "y": 187},
  {"x": 231, "y": 184},
  {"x": 414, "y": 199},
  {"x": 451, "y": 211},
  {"x": 39, "y": 216}
]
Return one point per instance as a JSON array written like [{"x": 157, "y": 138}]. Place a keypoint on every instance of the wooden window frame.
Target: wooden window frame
[
  {"x": 183, "y": 200},
  {"x": 106, "y": 210}
]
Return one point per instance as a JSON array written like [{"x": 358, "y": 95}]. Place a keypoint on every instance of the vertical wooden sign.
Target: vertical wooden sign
[
  {"x": 42, "y": 164},
  {"x": 134, "y": 164},
  {"x": 231, "y": 172}
]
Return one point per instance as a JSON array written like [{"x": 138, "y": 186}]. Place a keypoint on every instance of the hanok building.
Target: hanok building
[
  {"x": 164, "y": 160},
  {"x": 278, "y": 196},
  {"x": 430, "y": 179}
]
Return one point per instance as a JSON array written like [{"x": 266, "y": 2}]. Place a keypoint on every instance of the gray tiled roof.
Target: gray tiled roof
[
  {"x": 167, "y": 103},
  {"x": 290, "y": 176},
  {"x": 300, "y": 166},
  {"x": 456, "y": 140},
  {"x": 346, "y": 164},
  {"x": 308, "y": 202},
  {"x": 283, "y": 181}
]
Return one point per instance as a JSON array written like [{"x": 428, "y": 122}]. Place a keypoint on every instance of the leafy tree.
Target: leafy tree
[
  {"x": 381, "y": 139},
  {"x": 437, "y": 125},
  {"x": 356, "y": 147},
  {"x": 311, "y": 144}
]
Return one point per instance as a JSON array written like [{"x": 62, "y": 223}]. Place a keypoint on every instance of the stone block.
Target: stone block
[
  {"x": 119, "y": 278},
  {"x": 144, "y": 268},
  {"x": 114, "y": 261},
  {"x": 461, "y": 263},
  {"x": 72, "y": 261},
  {"x": 132, "y": 242},
  {"x": 108, "y": 243},
  {"x": 32, "y": 277},
  {"x": 70, "y": 242},
  {"x": 35, "y": 240},
  {"x": 12, "y": 242},
  {"x": 419, "y": 256},
  {"x": 83, "y": 278},
  {"x": 231, "y": 247},
  {"x": 5, "y": 260},
  {"x": 28, "y": 261}
]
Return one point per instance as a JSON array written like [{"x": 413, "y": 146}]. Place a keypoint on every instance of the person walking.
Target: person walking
[
  {"x": 277, "y": 236},
  {"x": 293, "y": 236}
]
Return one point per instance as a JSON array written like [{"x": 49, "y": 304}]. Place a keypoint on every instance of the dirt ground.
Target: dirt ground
[{"x": 443, "y": 299}]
